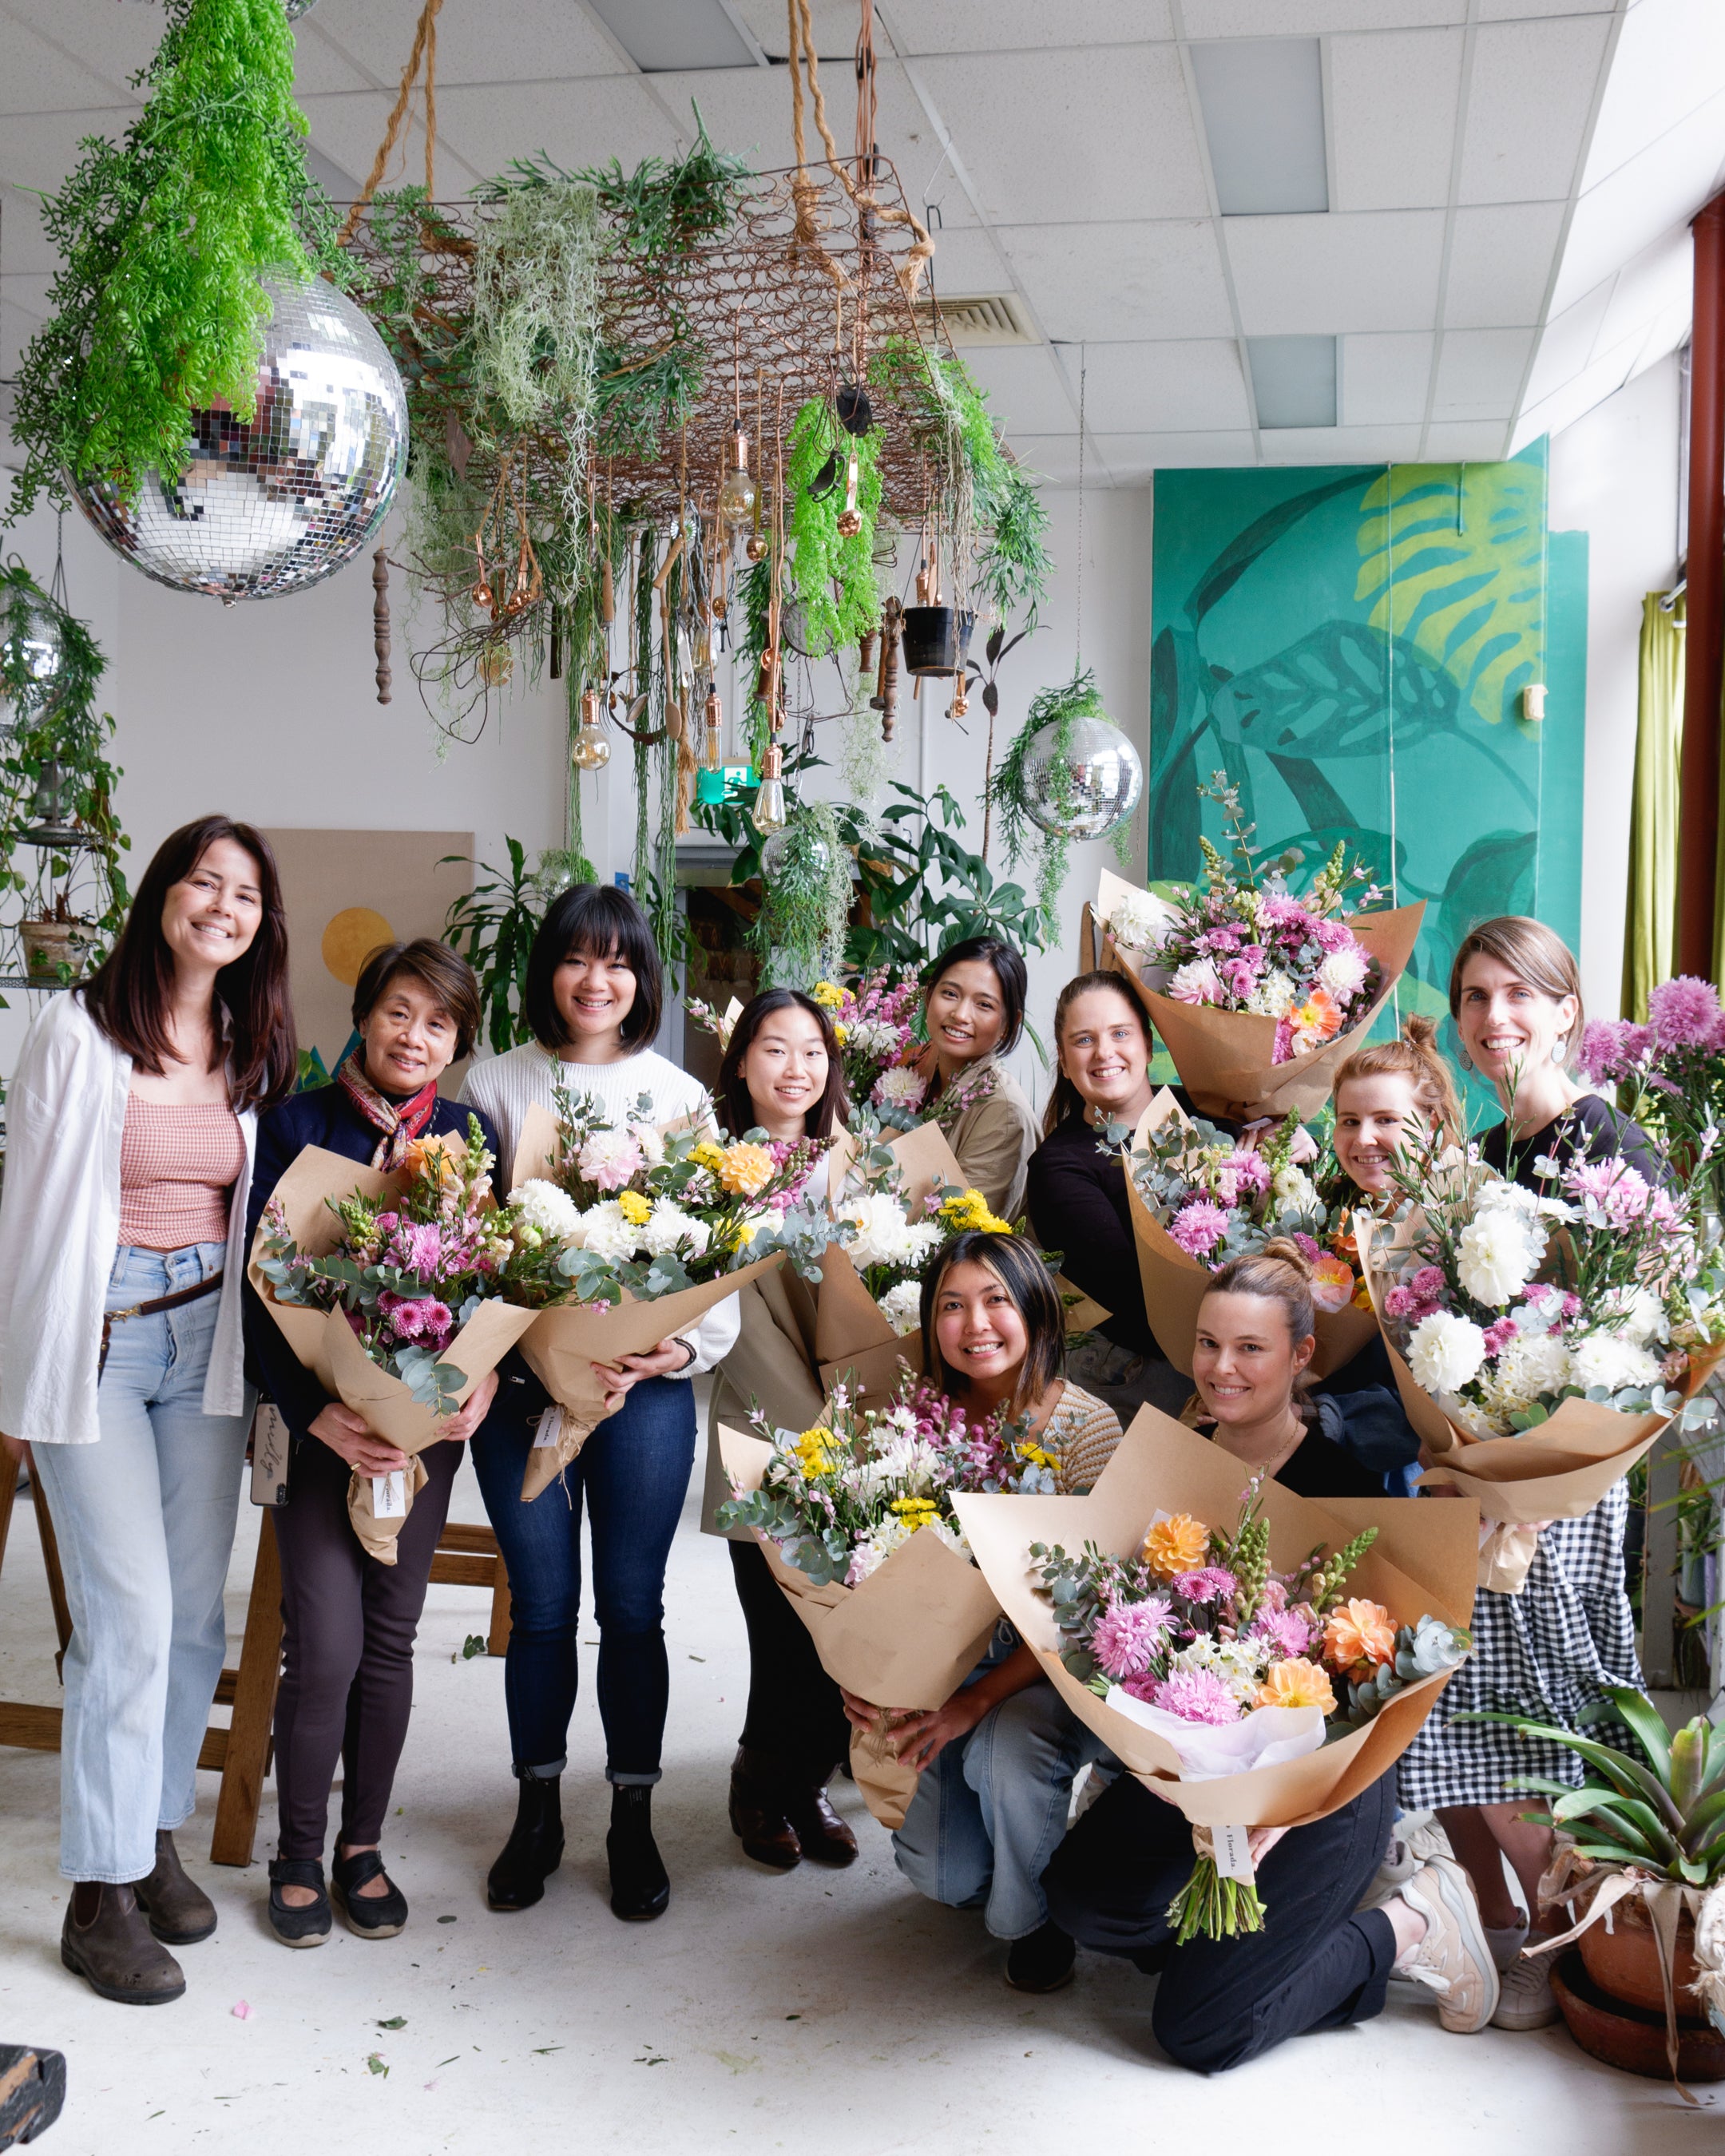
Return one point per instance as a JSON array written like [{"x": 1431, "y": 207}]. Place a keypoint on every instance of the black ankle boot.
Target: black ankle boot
[
  {"x": 640, "y": 1886},
  {"x": 535, "y": 1846}
]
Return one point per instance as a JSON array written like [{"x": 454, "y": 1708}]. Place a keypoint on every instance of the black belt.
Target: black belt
[{"x": 111, "y": 1318}]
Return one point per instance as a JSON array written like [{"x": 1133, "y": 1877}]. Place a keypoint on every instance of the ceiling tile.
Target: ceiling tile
[
  {"x": 28, "y": 247},
  {"x": 1668, "y": 59},
  {"x": 834, "y": 22},
  {"x": 1659, "y": 277},
  {"x": 1500, "y": 262},
  {"x": 1628, "y": 211},
  {"x": 1393, "y": 105},
  {"x": 1163, "y": 387},
  {"x": 1289, "y": 19},
  {"x": 1341, "y": 445},
  {"x": 348, "y": 129},
  {"x": 1504, "y": 11},
  {"x": 1529, "y": 95},
  {"x": 1025, "y": 386},
  {"x": 1384, "y": 379},
  {"x": 1061, "y": 138},
  {"x": 966, "y": 262},
  {"x": 38, "y": 149},
  {"x": 1466, "y": 441},
  {"x": 1134, "y": 457},
  {"x": 1313, "y": 276},
  {"x": 1479, "y": 373},
  {"x": 528, "y": 41},
  {"x": 1122, "y": 280},
  {"x": 1005, "y": 26},
  {"x": 37, "y": 76},
  {"x": 1602, "y": 377},
  {"x": 1566, "y": 343},
  {"x": 575, "y": 123},
  {"x": 113, "y": 43}
]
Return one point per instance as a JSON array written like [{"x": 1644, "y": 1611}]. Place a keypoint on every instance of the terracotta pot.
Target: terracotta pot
[
  {"x": 50, "y": 944},
  {"x": 1623, "y": 1962},
  {"x": 1627, "y": 2037}
]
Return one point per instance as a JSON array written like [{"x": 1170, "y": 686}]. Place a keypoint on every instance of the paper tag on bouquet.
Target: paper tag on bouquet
[
  {"x": 389, "y": 1496},
  {"x": 548, "y": 1429},
  {"x": 1232, "y": 1846}
]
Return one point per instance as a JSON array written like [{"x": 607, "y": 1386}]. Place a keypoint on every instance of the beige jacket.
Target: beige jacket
[
  {"x": 993, "y": 1141},
  {"x": 772, "y": 1364}
]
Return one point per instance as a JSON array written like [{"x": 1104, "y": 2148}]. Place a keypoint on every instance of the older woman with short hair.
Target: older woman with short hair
[{"x": 349, "y": 1619}]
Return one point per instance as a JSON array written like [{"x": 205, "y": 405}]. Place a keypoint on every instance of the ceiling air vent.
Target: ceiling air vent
[{"x": 995, "y": 318}]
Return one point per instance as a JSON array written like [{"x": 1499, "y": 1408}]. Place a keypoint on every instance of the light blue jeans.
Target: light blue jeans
[
  {"x": 145, "y": 1520},
  {"x": 990, "y": 1812}
]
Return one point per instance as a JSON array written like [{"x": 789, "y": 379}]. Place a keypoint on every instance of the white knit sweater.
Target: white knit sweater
[{"x": 506, "y": 1086}]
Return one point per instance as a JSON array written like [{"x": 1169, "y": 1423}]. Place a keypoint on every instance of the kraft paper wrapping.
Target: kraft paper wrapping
[
  {"x": 1175, "y": 1282},
  {"x": 535, "y": 1150},
  {"x": 906, "y": 1638},
  {"x": 1422, "y": 1561},
  {"x": 1224, "y": 1057},
  {"x": 378, "y": 1536},
  {"x": 563, "y": 1342},
  {"x": 853, "y": 1343},
  {"x": 325, "y": 1344},
  {"x": 1558, "y": 1471}
]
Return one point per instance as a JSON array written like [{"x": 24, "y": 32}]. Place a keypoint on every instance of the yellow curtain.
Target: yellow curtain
[{"x": 1650, "y": 928}]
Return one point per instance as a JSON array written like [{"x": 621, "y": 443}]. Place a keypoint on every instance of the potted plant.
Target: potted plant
[{"x": 1641, "y": 1844}]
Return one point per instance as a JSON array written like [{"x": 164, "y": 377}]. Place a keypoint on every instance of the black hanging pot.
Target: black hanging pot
[{"x": 937, "y": 640}]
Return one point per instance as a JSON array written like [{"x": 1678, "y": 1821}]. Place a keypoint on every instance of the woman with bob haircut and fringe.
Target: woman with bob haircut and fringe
[
  {"x": 997, "y": 1762},
  {"x": 595, "y": 990},
  {"x": 133, "y": 1111},
  {"x": 349, "y": 1619},
  {"x": 782, "y": 1074}
]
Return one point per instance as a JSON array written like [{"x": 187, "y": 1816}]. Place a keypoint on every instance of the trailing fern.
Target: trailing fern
[{"x": 833, "y": 577}]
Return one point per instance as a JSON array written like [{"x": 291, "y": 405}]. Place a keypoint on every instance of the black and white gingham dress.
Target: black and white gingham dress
[{"x": 1547, "y": 1652}]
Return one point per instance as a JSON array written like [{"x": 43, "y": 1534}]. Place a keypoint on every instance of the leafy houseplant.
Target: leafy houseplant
[
  {"x": 56, "y": 775},
  {"x": 833, "y": 574},
  {"x": 162, "y": 238},
  {"x": 492, "y": 926},
  {"x": 805, "y": 900}
]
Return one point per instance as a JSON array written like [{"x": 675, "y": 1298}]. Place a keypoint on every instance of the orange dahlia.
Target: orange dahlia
[
  {"x": 1358, "y": 1636},
  {"x": 746, "y": 1169},
  {"x": 1297, "y": 1682},
  {"x": 1175, "y": 1546}
]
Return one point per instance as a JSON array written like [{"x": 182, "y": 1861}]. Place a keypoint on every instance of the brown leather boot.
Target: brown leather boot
[
  {"x": 180, "y": 1913},
  {"x": 106, "y": 1941},
  {"x": 822, "y": 1835},
  {"x": 758, "y": 1814}
]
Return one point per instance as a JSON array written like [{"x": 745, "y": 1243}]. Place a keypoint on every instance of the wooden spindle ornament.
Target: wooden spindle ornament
[
  {"x": 380, "y": 621},
  {"x": 885, "y": 699}
]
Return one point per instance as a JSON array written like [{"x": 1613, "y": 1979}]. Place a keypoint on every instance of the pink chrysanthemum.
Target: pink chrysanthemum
[
  {"x": 1129, "y": 1634},
  {"x": 1208, "y": 1584},
  {"x": 1603, "y": 1056},
  {"x": 1428, "y": 1281},
  {"x": 1683, "y": 1012},
  {"x": 1306, "y": 1246},
  {"x": 1621, "y": 1190},
  {"x": 1197, "y": 1227},
  {"x": 1401, "y": 1302},
  {"x": 1284, "y": 1629},
  {"x": 1499, "y": 1336},
  {"x": 1195, "y": 1695},
  {"x": 1240, "y": 1174}
]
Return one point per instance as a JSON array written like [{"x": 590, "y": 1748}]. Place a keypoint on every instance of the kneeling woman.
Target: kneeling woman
[
  {"x": 1319, "y": 1962},
  {"x": 997, "y": 1759},
  {"x": 349, "y": 1619}
]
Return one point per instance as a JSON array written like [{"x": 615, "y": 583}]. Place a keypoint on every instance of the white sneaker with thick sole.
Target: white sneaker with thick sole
[
  {"x": 1527, "y": 2000},
  {"x": 1399, "y": 1865},
  {"x": 1507, "y": 1943},
  {"x": 1453, "y": 1959}
]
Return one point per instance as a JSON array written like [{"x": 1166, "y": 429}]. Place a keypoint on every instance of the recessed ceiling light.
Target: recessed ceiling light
[
  {"x": 1293, "y": 380},
  {"x": 676, "y": 36},
  {"x": 1263, "y": 101}
]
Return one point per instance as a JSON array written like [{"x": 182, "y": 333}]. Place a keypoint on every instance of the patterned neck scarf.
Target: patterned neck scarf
[{"x": 400, "y": 1126}]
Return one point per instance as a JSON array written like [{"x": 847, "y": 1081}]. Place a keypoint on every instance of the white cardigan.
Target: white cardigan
[
  {"x": 506, "y": 1086},
  {"x": 60, "y": 1229}
]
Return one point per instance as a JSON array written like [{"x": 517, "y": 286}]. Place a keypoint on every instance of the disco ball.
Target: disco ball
[
  {"x": 281, "y": 502},
  {"x": 1097, "y": 783},
  {"x": 31, "y": 658}
]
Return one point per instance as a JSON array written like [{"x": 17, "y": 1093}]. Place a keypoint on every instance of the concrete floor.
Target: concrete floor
[{"x": 840, "y": 2011}]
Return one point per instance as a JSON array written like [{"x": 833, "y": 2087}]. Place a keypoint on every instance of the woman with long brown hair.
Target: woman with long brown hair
[{"x": 132, "y": 1114}]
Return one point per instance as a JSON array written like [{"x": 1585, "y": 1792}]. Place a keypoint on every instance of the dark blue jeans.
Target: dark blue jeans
[{"x": 633, "y": 1473}]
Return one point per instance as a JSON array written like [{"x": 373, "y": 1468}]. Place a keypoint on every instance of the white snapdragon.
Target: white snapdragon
[{"x": 1445, "y": 1351}]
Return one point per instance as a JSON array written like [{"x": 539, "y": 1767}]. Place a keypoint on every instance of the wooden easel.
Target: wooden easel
[{"x": 240, "y": 1754}]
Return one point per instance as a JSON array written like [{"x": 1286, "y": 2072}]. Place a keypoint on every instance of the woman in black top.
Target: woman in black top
[
  {"x": 1317, "y": 1964},
  {"x": 1550, "y": 1651},
  {"x": 349, "y": 1620},
  {"x": 1075, "y": 1192}
]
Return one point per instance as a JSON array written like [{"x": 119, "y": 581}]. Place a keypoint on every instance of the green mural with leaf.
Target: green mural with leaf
[{"x": 1350, "y": 645}]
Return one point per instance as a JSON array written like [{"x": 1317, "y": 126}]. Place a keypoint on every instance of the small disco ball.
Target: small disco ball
[
  {"x": 283, "y": 501},
  {"x": 31, "y": 658},
  {"x": 1083, "y": 791}
]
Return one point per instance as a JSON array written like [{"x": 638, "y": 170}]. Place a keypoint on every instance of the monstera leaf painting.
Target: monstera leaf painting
[{"x": 1350, "y": 646}]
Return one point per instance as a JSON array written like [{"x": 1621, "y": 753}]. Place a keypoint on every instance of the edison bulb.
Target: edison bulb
[
  {"x": 767, "y": 814},
  {"x": 591, "y": 751},
  {"x": 737, "y": 494}
]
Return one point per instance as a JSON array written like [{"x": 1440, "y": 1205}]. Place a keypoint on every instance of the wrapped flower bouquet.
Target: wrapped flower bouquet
[{"x": 1261, "y": 1673}]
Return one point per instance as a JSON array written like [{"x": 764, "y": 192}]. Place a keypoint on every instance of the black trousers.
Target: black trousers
[
  {"x": 348, "y": 1625},
  {"x": 794, "y": 1709},
  {"x": 1315, "y": 1964}
]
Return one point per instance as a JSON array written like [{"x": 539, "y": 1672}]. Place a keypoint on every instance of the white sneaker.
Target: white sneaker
[
  {"x": 1454, "y": 1959},
  {"x": 1527, "y": 2000},
  {"x": 1506, "y": 1945},
  {"x": 1423, "y": 1834}
]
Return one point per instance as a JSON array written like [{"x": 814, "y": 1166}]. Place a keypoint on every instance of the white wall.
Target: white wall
[{"x": 1613, "y": 475}]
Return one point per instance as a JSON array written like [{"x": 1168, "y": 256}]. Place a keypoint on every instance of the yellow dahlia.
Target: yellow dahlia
[
  {"x": 1175, "y": 1546},
  {"x": 745, "y": 1170},
  {"x": 1297, "y": 1682},
  {"x": 1358, "y": 1636}
]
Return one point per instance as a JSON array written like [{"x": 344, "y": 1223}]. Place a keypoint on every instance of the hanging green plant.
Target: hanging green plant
[
  {"x": 832, "y": 572},
  {"x": 1024, "y": 833},
  {"x": 805, "y": 900},
  {"x": 163, "y": 238}
]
